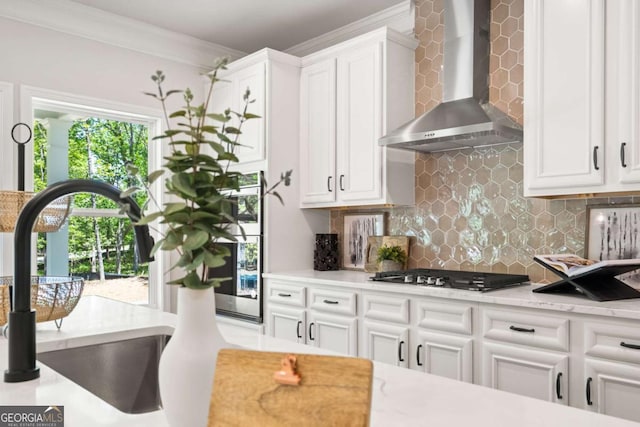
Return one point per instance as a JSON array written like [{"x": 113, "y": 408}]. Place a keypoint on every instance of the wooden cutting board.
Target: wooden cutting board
[{"x": 333, "y": 391}]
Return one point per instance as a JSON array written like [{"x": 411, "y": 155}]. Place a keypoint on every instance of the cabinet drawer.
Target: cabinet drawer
[
  {"x": 333, "y": 301},
  {"x": 529, "y": 329},
  {"x": 286, "y": 294},
  {"x": 386, "y": 307},
  {"x": 606, "y": 340},
  {"x": 444, "y": 316}
]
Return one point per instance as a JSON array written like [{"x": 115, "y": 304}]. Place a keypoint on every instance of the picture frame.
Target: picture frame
[
  {"x": 356, "y": 230},
  {"x": 612, "y": 231},
  {"x": 604, "y": 241}
]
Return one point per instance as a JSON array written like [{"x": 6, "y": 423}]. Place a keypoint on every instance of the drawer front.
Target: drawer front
[
  {"x": 541, "y": 330},
  {"x": 444, "y": 316},
  {"x": 331, "y": 301},
  {"x": 386, "y": 307},
  {"x": 612, "y": 341},
  {"x": 279, "y": 293}
]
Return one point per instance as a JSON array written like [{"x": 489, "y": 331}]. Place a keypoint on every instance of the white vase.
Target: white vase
[{"x": 188, "y": 361}]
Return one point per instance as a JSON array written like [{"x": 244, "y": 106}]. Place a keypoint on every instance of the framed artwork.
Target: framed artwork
[
  {"x": 613, "y": 232},
  {"x": 356, "y": 231}
]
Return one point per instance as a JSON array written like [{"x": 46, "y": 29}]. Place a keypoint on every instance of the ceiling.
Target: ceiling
[{"x": 246, "y": 25}]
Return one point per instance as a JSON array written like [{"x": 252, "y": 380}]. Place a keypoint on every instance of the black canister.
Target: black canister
[{"x": 325, "y": 255}]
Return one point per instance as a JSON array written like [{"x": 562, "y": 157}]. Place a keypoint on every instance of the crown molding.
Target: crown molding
[
  {"x": 400, "y": 17},
  {"x": 82, "y": 21}
]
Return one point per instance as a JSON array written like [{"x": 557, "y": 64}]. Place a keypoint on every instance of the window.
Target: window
[{"x": 96, "y": 242}]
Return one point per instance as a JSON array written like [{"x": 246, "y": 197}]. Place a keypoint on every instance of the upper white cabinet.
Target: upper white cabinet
[
  {"x": 351, "y": 94},
  {"x": 272, "y": 78},
  {"x": 582, "y": 97}
]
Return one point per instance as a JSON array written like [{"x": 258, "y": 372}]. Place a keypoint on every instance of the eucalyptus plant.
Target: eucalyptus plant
[{"x": 197, "y": 179}]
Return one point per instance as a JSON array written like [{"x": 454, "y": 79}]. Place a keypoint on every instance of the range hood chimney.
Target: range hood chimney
[{"x": 464, "y": 118}]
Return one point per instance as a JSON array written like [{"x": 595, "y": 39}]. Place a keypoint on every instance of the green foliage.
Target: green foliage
[
  {"x": 391, "y": 253},
  {"x": 202, "y": 148},
  {"x": 98, "y": 149}
]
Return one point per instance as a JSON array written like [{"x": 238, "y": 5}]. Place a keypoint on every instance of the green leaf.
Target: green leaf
[
  {"x": 251, "y": 116},
  {"x": 179, "y": 113},
  {"x": 195, "y": 239},
  {"x": 213, "y": 261},
  {"x": 182, "y": 182},
  {"x": 218, "y": 117},
  {"x": 153, "y": 176},
  {"x": 170, "y": 208},
  {"x": 129, "y": 191},
  {"x": 147, "y": 219}
]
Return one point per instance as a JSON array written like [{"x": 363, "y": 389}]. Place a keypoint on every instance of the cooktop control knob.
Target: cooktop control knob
[
  {"x": 431, "y": 280},
  {"x": 408, "y": 278},
  {"x": 420, "y": 280},
  {"x": 439, "y": 281}
]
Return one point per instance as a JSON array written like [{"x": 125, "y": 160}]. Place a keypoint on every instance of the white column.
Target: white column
[{"x": 58, "y": 170}]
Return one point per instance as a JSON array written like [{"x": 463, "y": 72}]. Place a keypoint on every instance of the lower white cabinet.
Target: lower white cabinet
[
  {"x": 287, "y": 323},
  {"x": 525, "y": 371},
  {"x": 612, "y": 388},
  {"x": 386, "y": 343},
  {"x": 442, "y": 354},
  {"x": 586, "y": 361},
  {"x": 333, "y": 332}
]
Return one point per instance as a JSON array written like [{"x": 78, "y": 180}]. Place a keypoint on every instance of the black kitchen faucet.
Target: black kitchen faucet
[{"x": 22, "y": 319}]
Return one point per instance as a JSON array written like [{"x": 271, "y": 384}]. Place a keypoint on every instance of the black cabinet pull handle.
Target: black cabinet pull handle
[
  {"x": 589, "y": 402},
  {"x": 558, "y": 377},
  {"x": 342, "y": 182},
  {"x": 310, "y": 336},
  {"x": 329, "y": 183},
  {"x": 624, "y": 165},
  {"x": 595, "y": 158},
  {"x": 518, "y": 329},
  {"x": 418, "y": 355},
  {"x": 328, "y": 301},
  {"x": 284, "y": 295},
  {"x": 400, "y": 351},
  {"x": 633, "y": 346},
  {"x": 298, "y": 329}
]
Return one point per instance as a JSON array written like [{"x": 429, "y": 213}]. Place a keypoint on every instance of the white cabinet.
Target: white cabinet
[
  {"x": 582, "y": 64},
  {"x": 442, "y": 338},
  {"x": 612, "y": 388},
  {"x": 532, "y": 357},
  {"x": 386, "y": 343},
  {"x": 385, "y": 328},
  {"x": 324, "y": 318},
  {"x": 443, "y": 354},
  {"x": 611, "y": 381},
  {"x": 229, "y": 93},
  {"x": 533, "y": 373},
  {"x": 273, "y": 80},
  {"x": 333, "y": 332},
  {"x": 351, "y": 94}
]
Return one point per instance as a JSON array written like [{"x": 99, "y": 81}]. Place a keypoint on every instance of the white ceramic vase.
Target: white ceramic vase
[{"x": 188, "y": 361}]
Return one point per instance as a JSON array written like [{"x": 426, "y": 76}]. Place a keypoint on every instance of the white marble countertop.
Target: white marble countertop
[
  {"x": 521, "y": 296},
  {"x": 401, "y": 397}
]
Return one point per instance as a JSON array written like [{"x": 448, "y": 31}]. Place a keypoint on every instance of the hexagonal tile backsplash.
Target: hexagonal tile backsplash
[{"x": 470, "y": 213}]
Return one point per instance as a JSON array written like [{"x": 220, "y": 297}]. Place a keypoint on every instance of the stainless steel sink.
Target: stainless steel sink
[{"x": 122, "y": 373}]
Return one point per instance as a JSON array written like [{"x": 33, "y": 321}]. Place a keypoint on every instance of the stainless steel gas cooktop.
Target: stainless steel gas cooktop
[{"x": 465, "y": 280}]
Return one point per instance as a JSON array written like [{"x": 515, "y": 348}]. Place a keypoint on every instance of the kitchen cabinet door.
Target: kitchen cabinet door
[
  {"x": 386, "y": 343},
  {"x": 359, "y": 123},
  {"x": 623, "y": 26},
  {"x": 286, "y": 323},
  {"x": 445, "y": 355},
  {"x": 331, "y": 332},
  {"x": 229, "y": 94},
  {"x": 612, "y": 388},
  {"x": 318, "y": 132},
  {"x": 534, "y": 373},
  {"x": 564, "y": 113}
]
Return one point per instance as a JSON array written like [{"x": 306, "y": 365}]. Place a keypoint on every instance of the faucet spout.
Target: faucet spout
[{"x": 22, "y": 319}]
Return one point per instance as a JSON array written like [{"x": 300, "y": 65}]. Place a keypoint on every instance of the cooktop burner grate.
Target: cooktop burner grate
[{"x": 466, "y": 280}]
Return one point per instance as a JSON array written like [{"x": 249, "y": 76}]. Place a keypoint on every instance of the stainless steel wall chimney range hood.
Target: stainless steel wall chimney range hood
[{"x": 464, "y": 118}]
